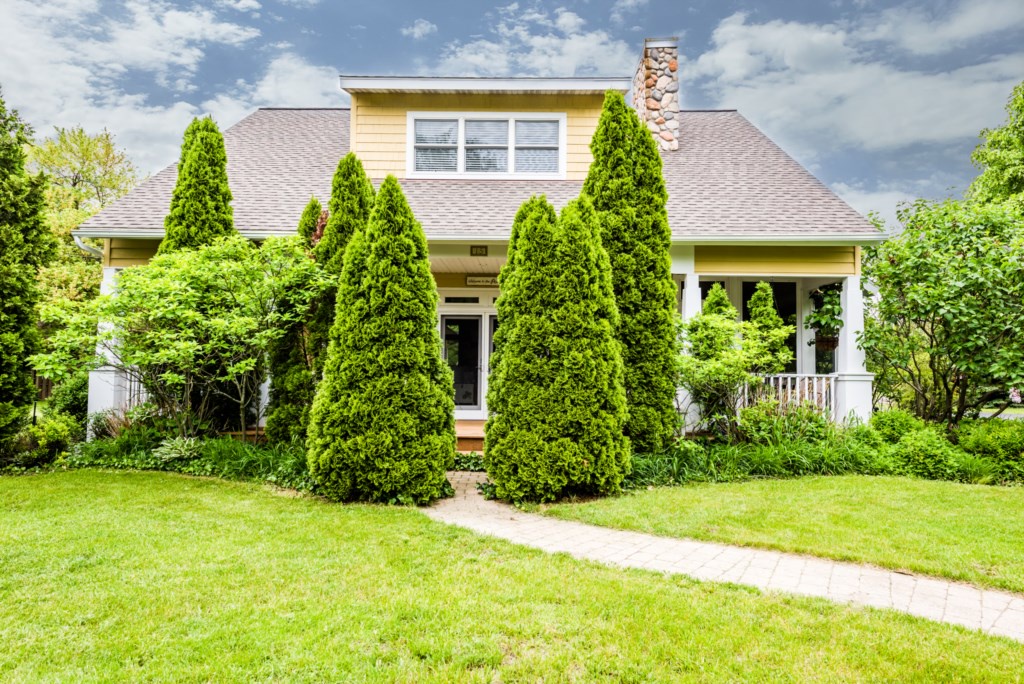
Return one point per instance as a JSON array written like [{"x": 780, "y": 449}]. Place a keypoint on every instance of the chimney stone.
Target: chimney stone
[{"x": 654, "y": 85}]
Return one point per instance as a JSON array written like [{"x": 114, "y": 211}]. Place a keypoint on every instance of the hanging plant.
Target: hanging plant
[{"x": 827, "y": 317}]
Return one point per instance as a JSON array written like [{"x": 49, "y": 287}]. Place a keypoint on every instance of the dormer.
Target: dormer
[{"x": 476, "y": 128}]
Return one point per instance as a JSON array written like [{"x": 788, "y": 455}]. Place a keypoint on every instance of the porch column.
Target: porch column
[
  {"x": 691, "y": 296},
  {"x": 853, "y": 385},
  {"x": 107, "y": 386}
]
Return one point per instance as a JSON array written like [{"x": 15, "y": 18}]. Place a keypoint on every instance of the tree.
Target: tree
[
  {"x": 557, "y": 426},
  {"x": 349, "y": 211},
  {"x": 946, "y": 319},
  {"x": 86, "y": 172},
  {"x": 25, "y": 245},
  {"x": 200, "y": 208},
  {"x": 290, "y": 358},
  {"x": 193, "y": 326},
  {"x": 769, "y": 331},
  {"x": 1001, "y": 158},
  {"x": 626, "y": 186},
  {"x": 382, "y": 426}
]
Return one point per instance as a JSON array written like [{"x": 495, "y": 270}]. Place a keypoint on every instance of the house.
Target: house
[{"x": 469, "y": 151}]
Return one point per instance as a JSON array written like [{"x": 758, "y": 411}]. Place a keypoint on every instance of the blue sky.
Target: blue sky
[{"x": 881, "y": 100}]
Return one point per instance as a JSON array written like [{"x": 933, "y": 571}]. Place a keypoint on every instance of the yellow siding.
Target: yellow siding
[
  {"x": 120, "y": 252},
  {"x": 794, "y": 260},
  {"x": 379, "y": 122}
]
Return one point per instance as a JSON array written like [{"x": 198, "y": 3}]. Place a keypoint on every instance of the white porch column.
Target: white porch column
[
  {"x": 107, "y": 386},
  {"x": 691, "y": 307},
  {"x": 691, "y": 296},
  {"x": 853, "y": 386}
]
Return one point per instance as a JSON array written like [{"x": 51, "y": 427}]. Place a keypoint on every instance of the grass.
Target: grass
[
  {"x": 135, "y": 576},
  {"x": 962, "y": 532}
]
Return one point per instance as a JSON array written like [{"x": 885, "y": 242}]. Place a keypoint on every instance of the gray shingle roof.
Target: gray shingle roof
[{"x": 727, "y": 181}]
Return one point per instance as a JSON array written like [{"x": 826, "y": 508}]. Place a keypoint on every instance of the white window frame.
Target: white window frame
[{"x": 410, "y": 151}]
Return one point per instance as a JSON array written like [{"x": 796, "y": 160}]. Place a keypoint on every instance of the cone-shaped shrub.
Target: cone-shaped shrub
[
  {"x": 717, "y": 302},
  {"x": 769, "y": 331},
  {"x": 557, "y": 426},
  {"x": 290, "y": 358},
  {"x": 200, "y": 209},
  {"x": 382, "y": 426},
  {"x": 349, "y": 210},
  {"x": 534, "y": 209},
  {"x": 26, "y": 244},
  {"x": 628, "y": 191}
]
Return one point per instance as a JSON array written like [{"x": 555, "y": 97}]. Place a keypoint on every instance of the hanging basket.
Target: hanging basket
[{"x": 826, "y": 343}]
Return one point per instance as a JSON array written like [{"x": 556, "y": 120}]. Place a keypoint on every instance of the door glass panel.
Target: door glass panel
[{"x": 462, "y": 352}]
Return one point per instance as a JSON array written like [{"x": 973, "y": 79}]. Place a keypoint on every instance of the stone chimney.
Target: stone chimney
[{"x": 656, "y": 90}]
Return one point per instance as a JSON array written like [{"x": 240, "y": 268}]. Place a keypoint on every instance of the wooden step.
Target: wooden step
[{"x": 469, "y": 435}]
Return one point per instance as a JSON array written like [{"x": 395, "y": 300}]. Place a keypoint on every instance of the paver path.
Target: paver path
[{"x": 992, "y": 612}]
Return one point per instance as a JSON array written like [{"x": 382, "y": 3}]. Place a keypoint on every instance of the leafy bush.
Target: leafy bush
[
  {"x": 280, "y": 464},
  {"x": 71, "y": 397},
  {"x": 767, "y": 422},
  {"x": 684, "y": 461},
  {"x": 1000, "y": 441},
  {"x": 974, "y": 469},
  {"x": 42, "y": 443},
  {"x": 893, "y": 424},
  {"x": 928, "y": 454},
  {"x": 471, "y": 461}
]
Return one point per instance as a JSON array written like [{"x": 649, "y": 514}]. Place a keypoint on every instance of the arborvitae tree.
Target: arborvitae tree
[
  {"x": 534, "y": 209},
  {"x": 200, "y": 208},
  {"x": 558, "y": 424},
  {"x": 628, "y": 191},
  {"x": 26, "y": 244},
  {"x": 717, "y": 302},
  {"x": 769, "y": 331},
  {"x": 290, "y": 359},
  {"x": 349, "y": 210},
  {"x": 383, "y": 421}
]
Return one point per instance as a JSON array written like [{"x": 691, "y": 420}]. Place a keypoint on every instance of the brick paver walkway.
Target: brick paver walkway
[{"x": 992, "y": 612}]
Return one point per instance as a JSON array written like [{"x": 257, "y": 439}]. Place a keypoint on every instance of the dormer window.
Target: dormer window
[{"x": 486, "y": 145}]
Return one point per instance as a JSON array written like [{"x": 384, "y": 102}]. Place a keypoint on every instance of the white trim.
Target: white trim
[
  {"x": 424, "y": 84},
  {"x": 485, "y": 309},
  {"x": 672, "y": 41},
  {"x": 410, "y": 145}
]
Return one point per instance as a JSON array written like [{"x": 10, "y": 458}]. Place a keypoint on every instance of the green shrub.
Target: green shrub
[
  {"x": 178, "y": 449},
  {"x": 974, "y": 469},
  {"x": 471, "y": 461},
  {"x": 382, "y": 426},
  {"x": 999, "y": 441},
  {"x": 893, "y": 424},
  {"x": 684, "y": 461},
  {"x": 42, "y": 443},
  {"x": 557, "y": 424},
  {"x": 926, "y": 453},
  {"x": 766, "y": 422},
  {"x": 71, "y": 397}
]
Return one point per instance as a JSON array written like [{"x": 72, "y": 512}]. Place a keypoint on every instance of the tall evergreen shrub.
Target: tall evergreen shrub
[
  {"x": 348, "y": 212},
  {"x": 200, "y": 210},
  {"x": 626, "y": 186},
  {"x": 769, "y": 331},
  {"x": 382, "y": 426},
  {"x": 557, "y": 423},
  {"x": 290, "y": 359},
  {"x": 26, "y": 244}
]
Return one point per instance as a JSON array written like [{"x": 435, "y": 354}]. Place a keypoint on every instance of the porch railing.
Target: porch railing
[{"x": 793, "y": 389}]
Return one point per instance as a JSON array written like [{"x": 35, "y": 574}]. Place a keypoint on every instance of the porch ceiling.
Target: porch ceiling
[{"x": 466, "y": 264}]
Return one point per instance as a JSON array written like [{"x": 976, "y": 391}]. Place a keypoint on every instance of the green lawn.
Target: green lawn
[
  {"x": 119, "y": 576},
  {"x": 963, "y": 532}
]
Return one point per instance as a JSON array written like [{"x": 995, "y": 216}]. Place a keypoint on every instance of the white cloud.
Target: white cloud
[
  {"x": 533, "y": 42},
  {"x": 63, "y": 62},
  {"x": 241, "y": 5},
  {"x": 884, "y": 201},
  {"x": 622, "y": 7},
  {"x": 421, "y": 28},
  {"x": 936, "y": 28},
  {"x": 816, "y": 87}
]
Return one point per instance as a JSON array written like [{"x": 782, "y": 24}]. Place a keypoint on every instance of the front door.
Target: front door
[{"x": 461, "y": 336}]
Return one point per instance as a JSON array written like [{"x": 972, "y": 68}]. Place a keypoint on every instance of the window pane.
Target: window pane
[
  {"x": 487, "y": 132},
  {"x": 436, "y": 159},
  {"x": 536, "y": 161},
  {"x": 437, "y": 132},
  {"x": 537, "y": 133},
  {"x": 486, "y": 159}
]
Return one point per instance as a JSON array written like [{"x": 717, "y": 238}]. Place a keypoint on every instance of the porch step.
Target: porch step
[{"x": 469, "y": 435}]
